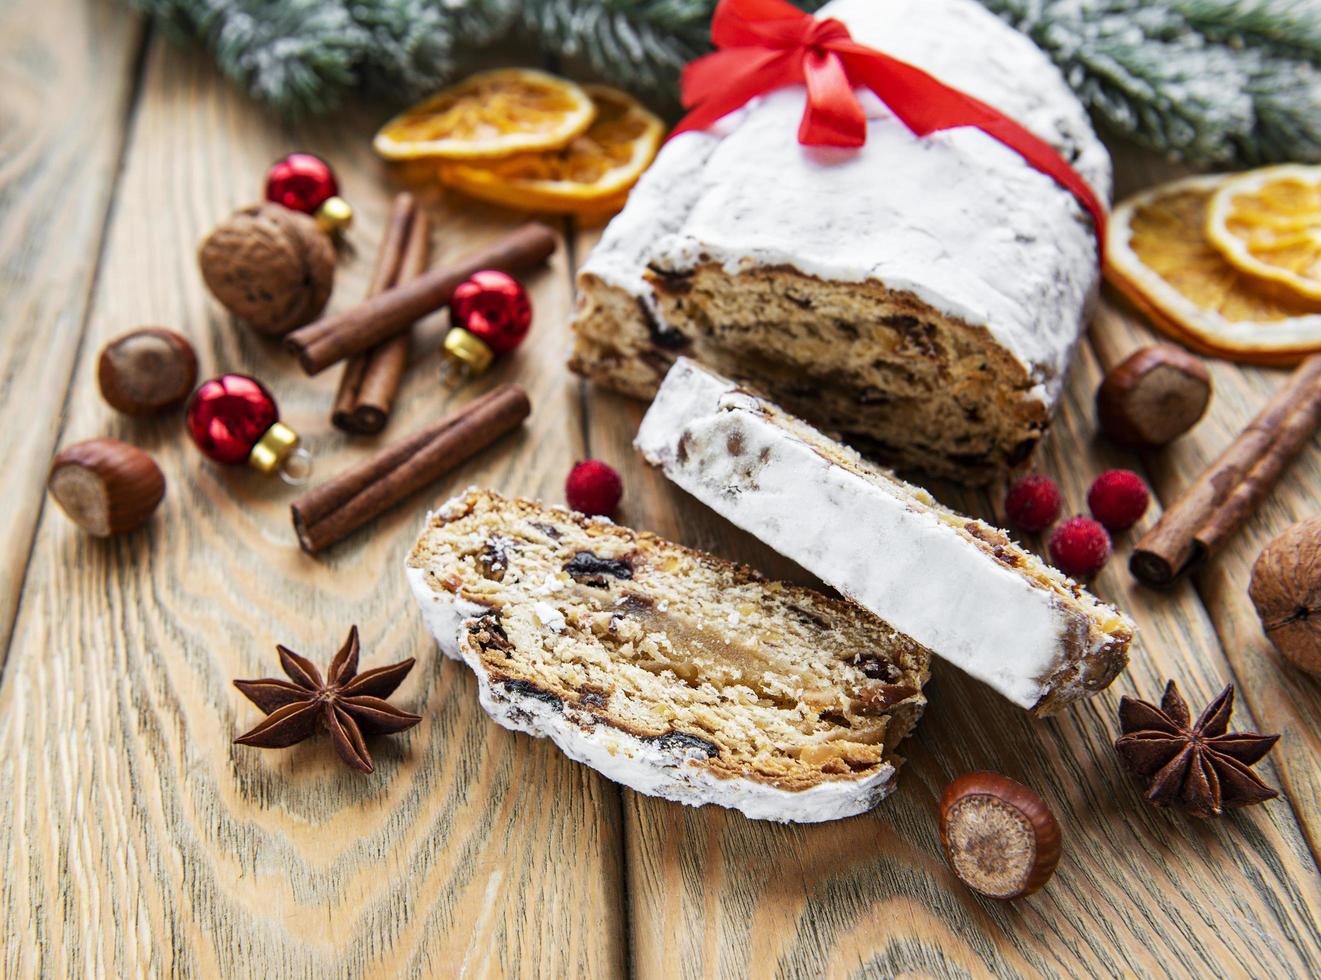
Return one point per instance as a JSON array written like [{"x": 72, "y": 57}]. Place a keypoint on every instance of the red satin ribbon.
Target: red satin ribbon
[{"x": 762, "y": 45}]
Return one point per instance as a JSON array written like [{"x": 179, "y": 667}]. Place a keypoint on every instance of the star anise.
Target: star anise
[
  {"x": 1201, "y": 768},
  {"x": 349, "y": 705}
]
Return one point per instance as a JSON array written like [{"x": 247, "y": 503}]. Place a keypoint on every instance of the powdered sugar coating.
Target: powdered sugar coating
[
  {"x": 956, "y": 218},
  {"x": 444, "y": 613},
  {"x": 916, "y": 571}
]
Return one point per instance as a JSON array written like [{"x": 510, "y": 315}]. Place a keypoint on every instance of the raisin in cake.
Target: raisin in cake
[
  {"x": 671, "y": 671},
  {"x": 921, "y": 296},
  {"x": 954, "y": 584}
]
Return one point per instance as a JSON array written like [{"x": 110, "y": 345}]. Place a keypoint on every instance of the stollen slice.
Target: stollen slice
[
  {"x": 958, "y": 586},
  {"x": 671, "y": 671}
]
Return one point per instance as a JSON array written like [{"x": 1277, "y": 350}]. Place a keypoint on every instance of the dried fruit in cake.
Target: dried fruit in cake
[
  {"x": 1080, "y": 547},
  {"x": 1000, "y": 838},
  {"x": 1033, "y": 503},
  {"x": 672, "y": 671},
  {"x": 1118, "y": 499},
  {"x": 490, "y": 114},
  {"x": 1267, "y": 223},
  {"x": 591, "y": 175},
  {"x": 1158, "y": 256}
]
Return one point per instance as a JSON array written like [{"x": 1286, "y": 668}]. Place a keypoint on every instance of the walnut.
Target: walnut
[
  {"x": 271, "y": 267},
  {"x": 1286, "y": 589}
]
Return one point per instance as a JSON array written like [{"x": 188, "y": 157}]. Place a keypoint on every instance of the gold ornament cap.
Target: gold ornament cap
[
  {"x": 273, "y": 448},
  {"x": 467, "y": 352},
  {"x": 334, "y": 216}
]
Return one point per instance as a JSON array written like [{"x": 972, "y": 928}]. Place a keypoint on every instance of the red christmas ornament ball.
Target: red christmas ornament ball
[
  {"x": 1080, "y": 547},
  {"x": 493, "y": 307},
  {"x": 301, "y": 182},
  {"x": 228, "y": 415},
  {"x": 593, "y": 488}
]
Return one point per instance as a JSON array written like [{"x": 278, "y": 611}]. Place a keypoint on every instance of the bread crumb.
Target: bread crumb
[
  {"x": 548, "y": 616},
  {"x": 554, "y": 583}
]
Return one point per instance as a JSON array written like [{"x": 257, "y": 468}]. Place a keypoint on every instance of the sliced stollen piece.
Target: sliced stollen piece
[
  {"x": 920, "y": 295},
  {"x": 673, "y": 672},
  {"x": 956, "y": 585}
]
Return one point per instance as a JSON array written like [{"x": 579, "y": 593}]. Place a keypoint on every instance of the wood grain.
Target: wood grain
[
  {"x": 67, "y": 71},
  {"x": 1280, "y": 696},
  {"x": 713, "y": 893},
  {"x": 138, "y": 840}
]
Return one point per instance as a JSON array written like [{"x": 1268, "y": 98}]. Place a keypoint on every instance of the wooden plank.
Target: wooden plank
[
  {"x": 138, "y": 840},
  {"x": 1139, "y": 891},
  {"x": 57, "y": 170},
  {"x": 1281, "y": 697}
]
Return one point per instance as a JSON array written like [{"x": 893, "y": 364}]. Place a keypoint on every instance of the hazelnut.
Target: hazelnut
[
  {"x": 1286, "y": 590},
  {"x": 271, "y": 267},
  {"x": 106, "y": 486},
  {"x": 1153, "y": 396},
  {"x": 1000, "y": 838},
  {"x": 148, "y": 370}
]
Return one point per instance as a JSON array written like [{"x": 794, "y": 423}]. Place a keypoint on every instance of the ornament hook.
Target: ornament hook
[{"x": 296, "y": 468}]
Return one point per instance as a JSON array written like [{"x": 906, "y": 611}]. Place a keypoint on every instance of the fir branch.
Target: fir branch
[
  {"x": 1218, "y": 82},
  {"x": 1282, "y": 26},
  {"x": 411, "y": 46},
  {"x": 641, "y": 46},
  {"x": 1215, "y": 82},
  {"x": 301, "y": 54}
]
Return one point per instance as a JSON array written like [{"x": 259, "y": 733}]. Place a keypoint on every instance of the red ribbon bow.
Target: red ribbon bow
[{"x": 763, "y": 45}]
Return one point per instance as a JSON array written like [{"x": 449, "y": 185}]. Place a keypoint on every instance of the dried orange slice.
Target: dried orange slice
[
  {"x": 1268, "y": 224},
  {"x": 590, "y": 176},
  {"x": 1158, "y": 256},
  {"x": 490, "y": 114}
]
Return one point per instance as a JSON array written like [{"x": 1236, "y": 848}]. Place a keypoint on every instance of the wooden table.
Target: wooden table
[{"x": 138, "y": 840}]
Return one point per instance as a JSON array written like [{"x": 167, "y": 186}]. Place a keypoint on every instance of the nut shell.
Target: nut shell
[
  {"x": 1000, "y": 838},
  {"x": 106, "y": 486},
  {"x": 145, "y": 371},
  {"x": 271, "y": 267},
  {"x": 1286, "y": 590},
  {"x": 1153, "y": 396}
]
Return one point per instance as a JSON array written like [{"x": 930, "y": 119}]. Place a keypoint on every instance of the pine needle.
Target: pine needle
[{"x": 1213, "y": 82}]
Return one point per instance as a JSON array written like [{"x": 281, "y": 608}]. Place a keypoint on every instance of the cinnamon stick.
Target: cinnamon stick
[
  {"x": 371, "y": 379},
  {"x": 340, "y": 506},
  {"x": 1221, "y": 499},
  {"x": 323, "y": 342}
]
